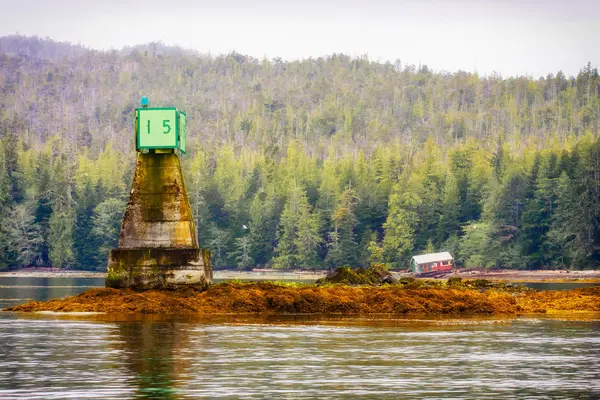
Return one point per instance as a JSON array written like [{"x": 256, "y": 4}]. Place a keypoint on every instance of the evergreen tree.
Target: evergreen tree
[
  {"x": 85, "y": 241},
  {"x": 12, "y": 149},
  {"x": 474, "y": 248},
  {"x": 510, "y": 202},
  {"x": 219, "y": 245},
  {"x": 398, "y": 241},
  {"x": 449, "y": 224},
  {"x": 263, "y": 227},
  {"x": 23, "y": 236},
  {"x": 243, "y": 249},
  {"x": 298, "y": 235},
  {"x": 4, "y": 179},
  {"x": 376, "y": 252},
  {"x": 343, "y": 246},
  {"x": 564, "y": 228},
  {"x": 107, "y": 220},
  {"x": 537, "y": 216},
  {"x": 43, "y": 210},
  {"x": 286, "y": 251},
  {"x": 61, "y": 221},
  {"x": 60, "y": 239},
  {"x": 308, "y": 240}
]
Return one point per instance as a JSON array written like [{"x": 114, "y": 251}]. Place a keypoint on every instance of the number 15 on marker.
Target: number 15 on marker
[
  {"x": 166, "y": 125},
  {"x": 157, "y": 128}
]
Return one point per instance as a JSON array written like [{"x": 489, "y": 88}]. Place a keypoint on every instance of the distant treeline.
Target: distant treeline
[{"x": 307, "y": 164}]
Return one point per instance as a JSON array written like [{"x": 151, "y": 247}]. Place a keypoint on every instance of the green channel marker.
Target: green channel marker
[
  {"x": 157, "y": 128},
  {"x": 158, "y": 245},
  {"x": 182, "y": 131}
]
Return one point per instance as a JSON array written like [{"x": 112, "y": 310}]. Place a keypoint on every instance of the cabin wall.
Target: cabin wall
[{"x": 445, "y": 265}]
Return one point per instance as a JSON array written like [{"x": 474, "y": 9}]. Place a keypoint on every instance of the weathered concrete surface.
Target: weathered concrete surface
[
  {"x": 158, "y": 246},
  {"x": 158, "y": 268},
  {"x": 158, "y": 213}
]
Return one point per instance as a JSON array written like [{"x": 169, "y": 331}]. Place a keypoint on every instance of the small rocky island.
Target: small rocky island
[{"x": 361, "y": 292}]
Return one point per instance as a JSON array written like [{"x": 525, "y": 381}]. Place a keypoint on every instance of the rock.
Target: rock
[
  {"x": 374, "y": 275},
  {"x": 389, "y": 279}
]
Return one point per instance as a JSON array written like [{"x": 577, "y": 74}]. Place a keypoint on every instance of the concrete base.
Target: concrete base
[
  {"x": 144, "y": 269},
  {"x": 158, "y": 247}
]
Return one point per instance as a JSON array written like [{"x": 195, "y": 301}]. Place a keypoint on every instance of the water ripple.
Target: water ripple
[{"x": 51, "y": 358}]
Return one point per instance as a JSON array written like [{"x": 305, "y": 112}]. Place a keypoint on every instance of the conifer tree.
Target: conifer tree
[
  {"x": 449, "y": 223},
  {"x": 402, "y": 220},
  {"x": 262, "y": 228},
  {"x": 23, "y": 236},
  {"x": 4, "y": 179},
  {"x": 107, "y": 220},
  {"x": 536, "y": 248},
  {"x": 298, "y": 235},
  {"x": 60, "y": 238},
  {"x": 85, "y": 242},
  {"x": 344, "y": 248}
]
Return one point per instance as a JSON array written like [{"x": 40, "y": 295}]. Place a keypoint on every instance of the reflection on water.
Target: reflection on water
[
  {"x": 557, "y": 285},
  {"x": 152, "y": 354},
  {"x": 48, "y": 357}
]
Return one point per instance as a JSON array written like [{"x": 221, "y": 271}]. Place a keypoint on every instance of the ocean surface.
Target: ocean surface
[{"x": 50, "y": 356}]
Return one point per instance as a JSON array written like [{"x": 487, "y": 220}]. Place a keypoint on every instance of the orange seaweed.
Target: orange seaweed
[{"x": 273, "y": 298}]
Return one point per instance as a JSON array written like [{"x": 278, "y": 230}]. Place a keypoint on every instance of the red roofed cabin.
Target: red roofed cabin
[{"x": 432, "y": 262}]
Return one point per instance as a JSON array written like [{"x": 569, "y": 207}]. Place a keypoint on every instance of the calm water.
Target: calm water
[
  {"x": 47, "y": 357},
  {"x": 94, "y": 356},
  {"x": 15, "y": 291}
]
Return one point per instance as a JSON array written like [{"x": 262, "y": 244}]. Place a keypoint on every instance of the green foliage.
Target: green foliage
[
  {"x": 298, "y": 235},
  {"x": 323, "y": 162},
  {"x": 106, "y": 223},
  {"x": 376, "y": 252},
  {"x": 23, "y": 238},
  {"x": 430, "y": 248},
  {"x": 343, "y": 247},
  {"x": 475, "y": 245},
  {"x": 4, "y": 180},
  {"x": 60, "y": 238},
  {"x": 219, "y": 245},
  {"x": 243, "y": 252},
  {"x": 400, "y": 226}
]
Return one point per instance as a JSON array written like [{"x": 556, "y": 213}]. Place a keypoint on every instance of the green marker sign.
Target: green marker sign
[
  {"x": 182, "y": 131},
  {"x": 157, "y": 128},
  {"x": 160, "y": 128}
]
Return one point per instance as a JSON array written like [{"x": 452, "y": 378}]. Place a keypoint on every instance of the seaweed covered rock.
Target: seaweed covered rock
[
  {"x": 278, "y": 298},
  {"x": 484, "y": 284},
  {"x": 376, "y": 274},
  {"x": 454, "y": 281}
]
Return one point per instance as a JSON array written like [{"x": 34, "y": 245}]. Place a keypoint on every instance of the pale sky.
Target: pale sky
[{"x": 512, "y": 37}]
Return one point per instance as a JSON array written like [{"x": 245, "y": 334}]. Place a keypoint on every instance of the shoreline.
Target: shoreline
[
  {"x": 516, "y": 276},
  {"x": 268, "y": 298},
  {"x": 218, "y": 275}
]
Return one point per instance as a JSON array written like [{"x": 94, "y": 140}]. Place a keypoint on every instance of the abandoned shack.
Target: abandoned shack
[{"x": 431, "y": 262}]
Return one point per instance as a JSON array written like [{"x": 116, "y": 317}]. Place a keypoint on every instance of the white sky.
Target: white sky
[{"x": 512, "y": 37}]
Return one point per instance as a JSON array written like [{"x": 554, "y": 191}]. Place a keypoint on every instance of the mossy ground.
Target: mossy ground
[{"x": 410, "y": 297}]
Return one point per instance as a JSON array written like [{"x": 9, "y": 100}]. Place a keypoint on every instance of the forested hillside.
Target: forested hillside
[{"x": 306, "y": 164}]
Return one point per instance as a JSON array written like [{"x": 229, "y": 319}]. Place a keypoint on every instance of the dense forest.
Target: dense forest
[{"x": 306, "y": 164}]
